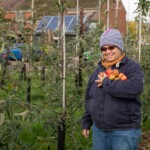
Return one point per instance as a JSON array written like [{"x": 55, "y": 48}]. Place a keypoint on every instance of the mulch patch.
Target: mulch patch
[{"x": 145, "y": 142}]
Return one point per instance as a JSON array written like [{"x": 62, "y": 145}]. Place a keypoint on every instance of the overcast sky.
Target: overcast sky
[{"x": 130, "y": 7}]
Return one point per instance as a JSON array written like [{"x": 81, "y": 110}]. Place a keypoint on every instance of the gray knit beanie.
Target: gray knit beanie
[{"x": 112, "y": 37}]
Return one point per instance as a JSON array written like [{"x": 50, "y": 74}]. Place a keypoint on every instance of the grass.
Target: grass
[{"x": 39, "y": 129}]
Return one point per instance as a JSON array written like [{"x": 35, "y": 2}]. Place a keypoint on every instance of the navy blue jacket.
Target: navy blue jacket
[{"x": 115, "y": 105}]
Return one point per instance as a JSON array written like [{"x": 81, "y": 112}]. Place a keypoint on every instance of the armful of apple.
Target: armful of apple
[
  {"x": 114, "y": 74},
  {"x": 111, "y": 74}
]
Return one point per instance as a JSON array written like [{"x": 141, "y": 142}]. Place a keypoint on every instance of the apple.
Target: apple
[
  {"x": 120, "y": 75},
  {"x": 102, "y": 74},
  {"x": 116, "y": 72},
  {"x": 108, "y": 72},
  {"x": 116, "y": 78},
  {"x": 111, "y": 76},
  {"x": 123, "y": 78}
]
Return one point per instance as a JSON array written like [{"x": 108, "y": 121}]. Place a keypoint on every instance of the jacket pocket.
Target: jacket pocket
[{"x": 116, "y": 112}]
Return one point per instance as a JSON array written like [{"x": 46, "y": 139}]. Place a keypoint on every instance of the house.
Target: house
[
  {"x": 17, "y": 17},
  {"x": 117, "y": 15},
  {"x": 20, "y": 22}
]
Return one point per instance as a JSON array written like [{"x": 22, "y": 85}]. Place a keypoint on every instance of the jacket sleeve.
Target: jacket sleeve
[
  {"x": 86, "y": 120},
  {"x": 130, "y": 88}
]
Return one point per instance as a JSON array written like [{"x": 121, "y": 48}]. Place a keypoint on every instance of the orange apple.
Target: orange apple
[
  {"x": 108, "y": 72},
  {"x": 123, "y": 78},
  {"x": 102, "y": 74},
  {"x": 120, "y": 75},
  {"x": 116, "y": 72},
  {"x": 116, "y": 78},
  {"x": 111, "y": 76}
]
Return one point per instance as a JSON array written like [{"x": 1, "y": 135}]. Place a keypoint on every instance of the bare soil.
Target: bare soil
[{"x": 145, "y": 142}]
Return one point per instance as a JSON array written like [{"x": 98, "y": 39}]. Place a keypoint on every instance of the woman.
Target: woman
[{"x": 112, "y": 103}]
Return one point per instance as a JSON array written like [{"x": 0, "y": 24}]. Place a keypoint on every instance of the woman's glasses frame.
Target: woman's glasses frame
[{"x": 111, "y": 47}]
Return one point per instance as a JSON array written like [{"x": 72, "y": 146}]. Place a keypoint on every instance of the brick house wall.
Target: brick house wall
[
  {"x": 94, "y": 12},
  {"x": 15, "y": 16},
  {"x": 120, "y": 22}
]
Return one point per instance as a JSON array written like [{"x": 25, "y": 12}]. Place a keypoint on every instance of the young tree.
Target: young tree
[{"x": 142, "y": 9}]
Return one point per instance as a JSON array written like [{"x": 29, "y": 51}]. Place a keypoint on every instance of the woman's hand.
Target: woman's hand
[
  {"x": 100, "y": 79},
  {"x": 86, "y": 133}
]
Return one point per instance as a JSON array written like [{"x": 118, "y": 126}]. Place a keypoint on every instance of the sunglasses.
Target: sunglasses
[{"x": 104, "y": 49}]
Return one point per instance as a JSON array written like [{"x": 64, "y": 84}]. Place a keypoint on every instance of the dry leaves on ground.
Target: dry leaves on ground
[{"x": 145, "y": 143}]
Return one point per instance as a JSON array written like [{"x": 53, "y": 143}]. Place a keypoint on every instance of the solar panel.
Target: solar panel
[
  {"x": 68, "y": 20},
  {"x": 47, "y": 18},
  {"x": 39, "y": 27},
  {"x": 43, "y": 23},
  {"x": 72, "y": 26},
  {"x": 51, "y": 23}
]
